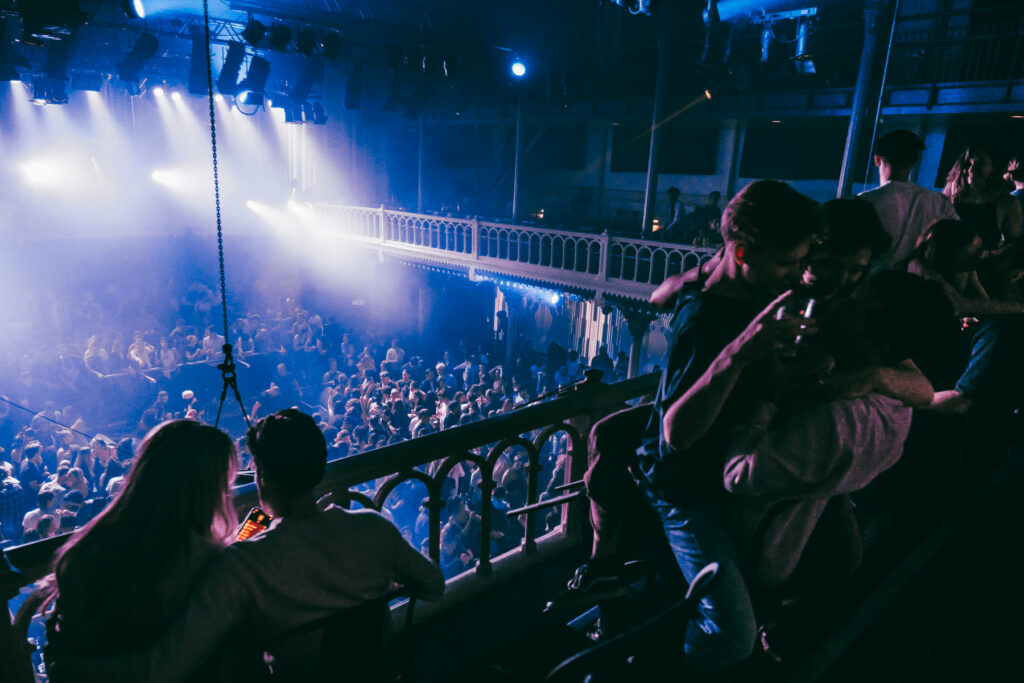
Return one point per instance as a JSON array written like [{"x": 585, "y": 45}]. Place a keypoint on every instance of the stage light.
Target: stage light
[
  {"x": 227, "y": 81},
  {"x": 254, "y": 32},
  {"x": 218, "y": 97},
  {"x": 255, "y": 82},
  {"x": 554, "y": 298},
  {"x": 312, "y": 71},
  {"x": 331, "y": 46},
  {"x": 135, "y": 9},
  {"x": 159, "y": 92},
  {"x": 316, "y": 113},
  {"x": 129, "y": 70},
  {"x": 306, "y": 42},
  {"x": 252, "y": 206},
  {"x": 46, "y": 21},
  {"x": 280, "y": 37},
  {"x": 176, "y": 96},
  {"x": 518, "y": 68},
  {"x": 159, "y": 176}
]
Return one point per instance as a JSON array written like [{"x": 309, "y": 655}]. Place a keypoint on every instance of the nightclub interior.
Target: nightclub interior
[{"x": 573, "y": 340}]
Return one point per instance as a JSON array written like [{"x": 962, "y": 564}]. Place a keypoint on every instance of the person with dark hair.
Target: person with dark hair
[
  {"x": 311, "y": 563},
  {"x": 853, "y": 237},
  {"x": 905, "y": 208},
  {"x": 949, "y": 254},
  {"x": 160, "y": 533},
  {"x": 675, "y": 225},
  {"x": 801, "y": 448},
  {"x": 719, "y": 328},
  {"x": 47, "y": 505},
  {"x": 980, "y": 199}
]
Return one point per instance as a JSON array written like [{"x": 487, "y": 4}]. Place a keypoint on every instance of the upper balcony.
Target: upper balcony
[{"x": 590, "y": 265}]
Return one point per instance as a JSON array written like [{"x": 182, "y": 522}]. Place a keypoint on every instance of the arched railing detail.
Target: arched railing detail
[{"x": 565, "y": 259}]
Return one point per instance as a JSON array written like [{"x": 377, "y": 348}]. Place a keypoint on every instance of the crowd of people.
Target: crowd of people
[{"x": 798, "y": 356}]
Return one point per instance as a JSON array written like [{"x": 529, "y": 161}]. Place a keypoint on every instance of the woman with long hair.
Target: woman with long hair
[
  {"x": 981, "y": 200},
  {"x": 121, "y": 579}
]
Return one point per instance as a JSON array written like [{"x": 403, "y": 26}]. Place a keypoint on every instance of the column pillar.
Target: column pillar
[
  {"x": 638, "y": 323},
  {"x": 859, "y": 108}
]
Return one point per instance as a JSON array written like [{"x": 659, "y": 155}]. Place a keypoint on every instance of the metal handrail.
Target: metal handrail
[{"x": 573, "y": 413}]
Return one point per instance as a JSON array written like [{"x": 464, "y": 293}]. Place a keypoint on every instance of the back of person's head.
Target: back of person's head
[
  {"x": 769, "y": 214},
  {"x": 45, "y": 499},
  {"x": 851, "y": 225},
  {"x": 948, "y": 245},
  {"x": 179, "y": 486},
  {"x": 900, "y": 148},
  {"x": 290, "y": 451},
  {"x": 32, "y": 450}
]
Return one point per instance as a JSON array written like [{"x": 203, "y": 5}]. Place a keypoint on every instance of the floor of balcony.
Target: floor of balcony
[{"x": 938, "y": 599}]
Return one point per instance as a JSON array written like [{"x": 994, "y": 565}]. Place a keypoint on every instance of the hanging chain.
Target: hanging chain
[
  {"x": 227, "y": 367},
  {"x": 216, "y": 174}
]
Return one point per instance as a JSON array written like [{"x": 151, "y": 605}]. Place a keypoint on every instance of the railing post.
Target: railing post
[
  {"x": 602, "y": 269},
  {"x": 383, "y": 223},
  {"x": 487, "y": 487},
  {"x": 475, "y": 238}
]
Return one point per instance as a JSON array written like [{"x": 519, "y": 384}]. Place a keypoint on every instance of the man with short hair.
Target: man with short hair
[
  {"x": 905, "y": 208},
  {"x": 676, "y": 223},
  {"x": 47, "y": 501}
]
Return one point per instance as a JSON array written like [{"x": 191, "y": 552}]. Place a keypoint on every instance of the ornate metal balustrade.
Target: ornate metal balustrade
[
  {"x": 587, "y": 263},
  {"x": 428, "y": 461}
]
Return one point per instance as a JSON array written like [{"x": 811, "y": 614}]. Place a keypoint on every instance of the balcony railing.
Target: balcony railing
[
  {"x": 588, "y": 262},
  {"x": 428, "y": 460}
]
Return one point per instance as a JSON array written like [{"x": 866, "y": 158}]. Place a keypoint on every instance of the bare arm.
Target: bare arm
[
  {"x": 904, "y": 383},
  {"x": 665, "y": 295},
  {"x": 690, "y": 416}
]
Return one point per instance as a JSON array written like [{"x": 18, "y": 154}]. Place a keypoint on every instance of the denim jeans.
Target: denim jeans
[{"x": 724, "y": 631}]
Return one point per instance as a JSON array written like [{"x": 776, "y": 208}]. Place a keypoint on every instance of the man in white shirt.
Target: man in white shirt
[{"x": 905, "y": 208}]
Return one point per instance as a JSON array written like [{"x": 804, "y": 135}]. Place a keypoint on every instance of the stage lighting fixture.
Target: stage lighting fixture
[
  {"x": 354, "y": 88},
  {"x": 255, "y": 82},
  {"x": 518, "y": 68},
  {"x": 43, "y": 21},
  {"x": 306, "y": 42},
  {"x": 554, "y": 298},
  {"x": 227, "y": 81},
  {"x": 10, "y": 62},
  {"x": 314, "y": 112},
  {"x": 135, "y": 9},
  {"x": 312, "y": 71},
  {"x": 130, "y": 69},
  {"x": 254, "y": 32},
  {"x": 331, "y": 46},
  {"x": 49, "y": 91},
  {"x": 280, "y": 37},
  {"x": 197, "y": 74},
  {"x": 158, "y": 91}
]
